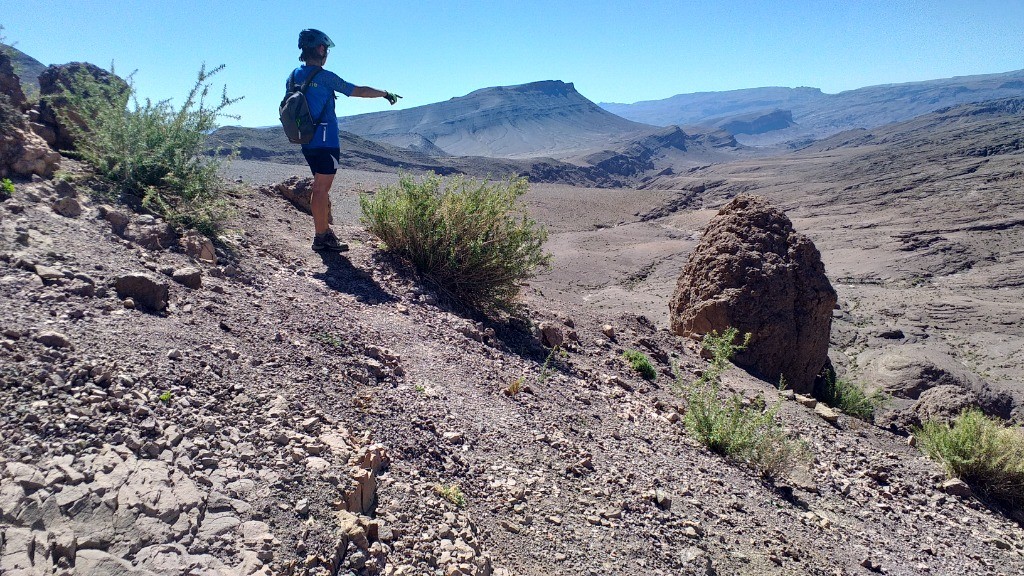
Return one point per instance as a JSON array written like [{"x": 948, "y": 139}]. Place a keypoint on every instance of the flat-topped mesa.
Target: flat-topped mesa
[
  {"x": 753, "y": 272},
  {"x": 548, "y": 87}
]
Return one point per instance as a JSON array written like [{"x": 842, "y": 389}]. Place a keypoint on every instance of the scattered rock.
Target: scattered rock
[
  {"x": 53, "y": 339},
  {"x": 118, "y": 220},
  {"x": 609, "y": 331},
  {"x": 956, "y": 487},
  {"x": 199, "y": 247},
  {"x": 189, "y": 277},
  {"x": 552, "y": 336},
  {"x": 64, "y": 189},
  {"x": 48, "y": 274},
  {"x": 68, "y": 207},
  {"x": 145, "y": 290}
]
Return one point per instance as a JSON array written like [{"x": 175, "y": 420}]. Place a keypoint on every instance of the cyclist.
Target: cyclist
[{"x": 324, "y": 151}]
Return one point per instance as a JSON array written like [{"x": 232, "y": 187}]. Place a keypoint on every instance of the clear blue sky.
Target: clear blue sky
[{"x": 614, "y": 50}]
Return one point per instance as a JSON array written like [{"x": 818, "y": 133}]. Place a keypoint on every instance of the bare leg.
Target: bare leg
[{"x": 319, "y": 202}]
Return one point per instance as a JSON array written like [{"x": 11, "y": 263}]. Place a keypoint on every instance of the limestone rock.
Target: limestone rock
[
  {"x": 100, "y": 563},
  {"x": 53, "y": 339},
  {"x": 199, "y": 247},
  {"x": 188, "y": 276},
  {"x": 68, "y": 207},
  {"x": 23, "y": 153},
  {"x": 146, "y": 291},
  {"x": 827, "y": 414},
  {"x": 753, "y": 272}
]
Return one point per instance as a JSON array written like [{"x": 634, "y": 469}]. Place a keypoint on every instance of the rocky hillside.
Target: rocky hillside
[
  {"x": 176, "y": 407},
  {"x": 27, "y": 68},
  {"x": 918, "y": 224},
  {"x": 816, "y": 114},
  {"x": 547, "y": 118}
]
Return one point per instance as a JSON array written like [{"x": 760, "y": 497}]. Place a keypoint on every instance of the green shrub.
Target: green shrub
[
  {"x": 6, "y": 188},
  {"x": 152, "y": 150},
  {"x": 980, "y": 451},
  {"x": 744, "y": 432},
  {"x": 452, "y": 493},
  {"x": 472, "y": 239},
  {"x": 641, "y": 363},
  {"x": 851, "y": 398}
]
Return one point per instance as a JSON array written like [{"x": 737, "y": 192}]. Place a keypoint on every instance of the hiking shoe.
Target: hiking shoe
[{"x": 328, "y": 242}]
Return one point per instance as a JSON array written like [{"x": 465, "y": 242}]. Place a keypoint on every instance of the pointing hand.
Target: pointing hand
[{"x": 391, "y": 97}]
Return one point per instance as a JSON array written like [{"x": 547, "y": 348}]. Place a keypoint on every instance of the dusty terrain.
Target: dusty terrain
[{"x": 283, "y": 367}]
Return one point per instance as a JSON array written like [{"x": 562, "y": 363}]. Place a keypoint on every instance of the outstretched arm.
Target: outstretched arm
[{"x": 367, "y": 92}]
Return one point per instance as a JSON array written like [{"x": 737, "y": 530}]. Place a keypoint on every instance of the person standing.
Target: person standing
[{"x": 324, "y": 151}]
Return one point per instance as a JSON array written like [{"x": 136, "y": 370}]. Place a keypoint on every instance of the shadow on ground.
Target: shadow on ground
[{"x": 342, "y": 276}]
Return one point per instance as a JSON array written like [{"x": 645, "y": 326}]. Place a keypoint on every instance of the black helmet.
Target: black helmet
[{"x": 311, "y": 38}]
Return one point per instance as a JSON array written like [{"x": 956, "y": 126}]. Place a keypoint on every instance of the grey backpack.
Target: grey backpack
[{"x": 295, "y": 116}]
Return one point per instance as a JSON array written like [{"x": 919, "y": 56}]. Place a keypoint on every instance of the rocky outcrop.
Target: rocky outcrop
[
  {"x": 10, "y": 84},
  {"x": 753, "y": 272},
  {"x": 22, "y": 152},
  {"x": 927, "y": 384},
  {"x": 299, "y": 192},
  {"x": 53, "y": 106}
]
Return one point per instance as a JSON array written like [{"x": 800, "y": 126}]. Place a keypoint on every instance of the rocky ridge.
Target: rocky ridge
[{"x": 242, "y": 426}]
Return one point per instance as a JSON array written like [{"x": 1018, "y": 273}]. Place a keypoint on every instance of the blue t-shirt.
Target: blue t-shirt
[{"x": 320, "y": 93}]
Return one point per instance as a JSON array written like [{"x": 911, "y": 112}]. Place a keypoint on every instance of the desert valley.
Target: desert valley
[{"x": 176, "y": 405}]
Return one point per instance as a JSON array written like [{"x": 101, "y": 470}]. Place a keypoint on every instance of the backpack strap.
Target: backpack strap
[
  {"x": 305, "y": 84},
  {"x": 323, "y": 111}
]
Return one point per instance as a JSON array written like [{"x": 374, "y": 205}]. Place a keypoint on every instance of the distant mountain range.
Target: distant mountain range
[
  {"x": 548, "y": 118},
  {"x": 546, "y": 131},
  {"x": 773, "y": 115}
]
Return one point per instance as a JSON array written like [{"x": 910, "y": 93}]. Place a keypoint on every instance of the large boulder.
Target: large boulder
[
  {"x": 53, "y": 105},
  {"x": 753, "y": 272}
]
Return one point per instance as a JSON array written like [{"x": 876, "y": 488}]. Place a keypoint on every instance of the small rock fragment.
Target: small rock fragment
[{"x": 53, "y": 339}]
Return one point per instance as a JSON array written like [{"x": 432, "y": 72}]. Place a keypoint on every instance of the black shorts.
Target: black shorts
[{"x": 322, "y": 160}]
